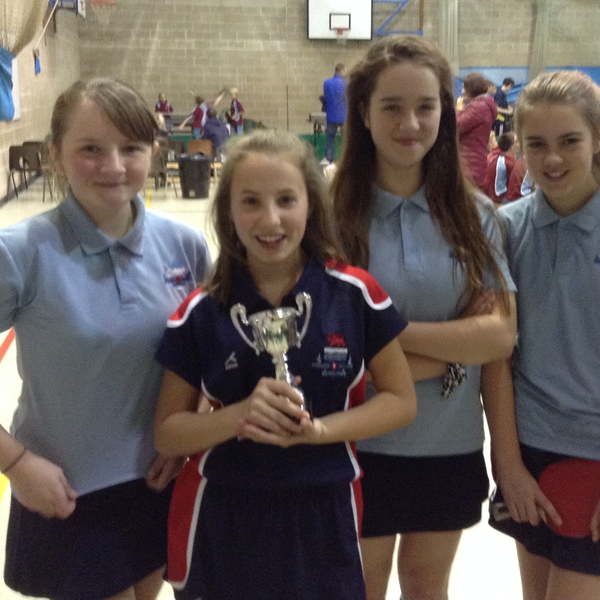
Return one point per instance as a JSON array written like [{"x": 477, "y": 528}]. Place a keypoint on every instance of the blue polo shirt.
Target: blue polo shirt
[
  {"x": 89, "y": 312},
  {"x": 335, "y": 97},
  {"x": 555, "y": 262},
  {"x": 352, "y": 320},
  {"x": 414, "y": 264}
]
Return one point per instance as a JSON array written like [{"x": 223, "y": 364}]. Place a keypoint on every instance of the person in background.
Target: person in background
[
  {"x": 520, "y": 183},
  {"x": 163, "y": 106},
  {"x": 334, "y": 90},
  {"x": 217, "y": 132},
  {"x": 405, "y": 210},
  {"x": 88, "y": 287},
  {"x": 237, "y": 119},
  {"x": 504, "y": 112},
  {"x": 474, "y": 126},
  {"x": 500, "y": 168},
  {"x": 199, "y": 115}
]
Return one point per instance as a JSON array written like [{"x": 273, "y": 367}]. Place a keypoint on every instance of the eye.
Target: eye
[
  {"x": 134, "y": 148},
  {"x": 287, "y": 200},
  {"x": 533, "y": 145},
  {"x": 571, "y": 140},
  {"x": 249, "y": 201},
  {"x": 90, "y": 149}
]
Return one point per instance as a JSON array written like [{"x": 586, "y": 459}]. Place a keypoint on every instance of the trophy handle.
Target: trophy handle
[
  {"x": 303, "y": 300},
  {"x": 240, "y": 309}
]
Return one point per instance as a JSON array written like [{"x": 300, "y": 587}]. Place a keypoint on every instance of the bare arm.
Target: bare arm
[
  {"x": 471, "y": 340},
  {"x": 423, "y": 367},
  {"x": 185, "y": 122},
  {"x": 394, "y": 405},
  {"x": 41, "y": 485},
  {"x": 181, "y": 430},
  {"x": 520, "y": 490}
]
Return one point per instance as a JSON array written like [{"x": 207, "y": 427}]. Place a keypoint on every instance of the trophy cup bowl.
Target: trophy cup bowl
[{"x": 275, "y": 331}]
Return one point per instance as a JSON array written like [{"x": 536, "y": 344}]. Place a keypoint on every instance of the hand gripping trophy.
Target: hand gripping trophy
[{"x": 275, "y": 331}]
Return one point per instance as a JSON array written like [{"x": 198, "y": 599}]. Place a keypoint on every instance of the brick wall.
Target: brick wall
[
  {"x": 186, "y": 47},
  {"x": 59, "y": 56}
]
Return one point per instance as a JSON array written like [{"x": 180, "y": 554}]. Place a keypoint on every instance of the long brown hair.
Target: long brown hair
[
  {"x": 319, "y": 238},
  {"x": 451, "y": 198}
]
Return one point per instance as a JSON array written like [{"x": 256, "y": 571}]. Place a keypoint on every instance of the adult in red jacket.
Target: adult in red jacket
[{"x": 474, "y": 125}]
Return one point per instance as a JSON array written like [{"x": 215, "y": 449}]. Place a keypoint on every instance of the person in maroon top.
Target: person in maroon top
[
  {"x": 474, "y": 126},
  {"x": 237, "y": 121},
  {"x": 499, "y": 169},
  {"x": 163, "y": 106}
]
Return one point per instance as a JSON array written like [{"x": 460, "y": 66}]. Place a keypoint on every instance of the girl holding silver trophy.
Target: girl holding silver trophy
[{"x": 269, "y": 504}]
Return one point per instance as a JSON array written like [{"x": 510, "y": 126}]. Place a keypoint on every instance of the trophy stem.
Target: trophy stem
[{"x": 282, "y": 372}]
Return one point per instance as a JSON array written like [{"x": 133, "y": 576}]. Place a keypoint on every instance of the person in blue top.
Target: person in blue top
[
  {"x": 406, "y": 211},
  {"x": 553, "y": 249},
  {"x": 334, "y": 90},
  {"x": 88, "y": 287},
  {"x": 268, "y": 507},
  {"x": 216, "y": 131}
]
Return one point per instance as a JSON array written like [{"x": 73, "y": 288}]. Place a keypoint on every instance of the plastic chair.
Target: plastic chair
[
  {"x": 15, "y": 165},
  {"x": 32, "y": 162},
  {"x": 200, "y": 147}
]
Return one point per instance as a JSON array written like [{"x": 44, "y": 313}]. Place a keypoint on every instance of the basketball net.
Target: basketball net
[
  {"x": 102, "y": 10},
  {"x": 342, "y": 35}
]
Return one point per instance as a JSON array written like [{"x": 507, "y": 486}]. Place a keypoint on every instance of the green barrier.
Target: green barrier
[
  {"x": 317, "y": 140},
  {"x": 183, "y": 136}
]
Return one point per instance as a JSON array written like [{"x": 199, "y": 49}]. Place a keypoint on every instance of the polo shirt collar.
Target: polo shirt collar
[
  {"x": 245, "y": 292},
  {"x": 586, "y": 218},
  {"x": 92, "y": 239},
  {"x": 385, "y": 203}
]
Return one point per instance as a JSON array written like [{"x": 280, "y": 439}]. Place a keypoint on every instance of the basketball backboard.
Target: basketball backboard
[{"x": 327, "y": 17}]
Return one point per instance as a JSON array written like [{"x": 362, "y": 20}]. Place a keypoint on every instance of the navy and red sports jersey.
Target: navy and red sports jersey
[
  {"x": 236, "y": 111},
  {"x": 352, "y": 320}
]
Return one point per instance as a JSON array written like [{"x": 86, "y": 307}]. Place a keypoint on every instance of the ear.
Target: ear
[
  {"x": 364, "y": 113},
  {"x": 55, "y": 156}
]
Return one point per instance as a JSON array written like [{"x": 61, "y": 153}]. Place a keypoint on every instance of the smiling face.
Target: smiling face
[
  {"x": 269, "y": 209},
  {"x": 559, "y": 148},
  {"x": 104, "y": 168},
  {"x": 403, "y": 116}
]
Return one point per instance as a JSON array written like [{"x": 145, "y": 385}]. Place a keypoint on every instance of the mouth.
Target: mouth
[
  {"x": 555, "y": 175},
  {"x": 270, "y": 242}
]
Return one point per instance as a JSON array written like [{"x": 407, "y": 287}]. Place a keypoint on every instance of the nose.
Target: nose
[
  {"x": 113, "y": 162},
  {"x": 409, "y": 121},
  {"x": 270, "y": 213},
  {"x": 552, "y": 158}
]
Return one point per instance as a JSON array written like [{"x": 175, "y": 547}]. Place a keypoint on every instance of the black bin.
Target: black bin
[{"x": 194, "y": 175}]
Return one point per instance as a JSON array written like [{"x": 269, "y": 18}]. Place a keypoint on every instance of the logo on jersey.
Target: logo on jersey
[
  {"x": 231, "y": 362},
  {"x": 335, "y": 360},
  {"x": 597, "y": 259},
  {"x": 177, "y": 274}
]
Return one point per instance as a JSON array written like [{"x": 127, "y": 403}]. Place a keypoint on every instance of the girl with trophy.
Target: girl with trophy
[
  {"x": 269, "y": 504},
  {"x": 407, "y": 213}
]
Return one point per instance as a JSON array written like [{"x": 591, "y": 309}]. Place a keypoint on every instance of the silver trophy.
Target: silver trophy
[{"x": 275, "y": 331}]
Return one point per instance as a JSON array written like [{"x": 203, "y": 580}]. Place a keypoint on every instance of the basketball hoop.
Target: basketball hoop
[
  {"x": 102, "y": 10},
  {"x": 341, "y": 35}
]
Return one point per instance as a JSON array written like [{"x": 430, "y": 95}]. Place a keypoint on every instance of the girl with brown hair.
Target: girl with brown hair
[{"x": 406, "y": 212}]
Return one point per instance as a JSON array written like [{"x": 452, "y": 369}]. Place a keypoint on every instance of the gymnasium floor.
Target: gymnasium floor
[{"x": 486, "y": 565}]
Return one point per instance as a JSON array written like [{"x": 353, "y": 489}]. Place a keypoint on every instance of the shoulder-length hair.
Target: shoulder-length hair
[
  {"x": 319, "y": 239},
  {"x": 451, "y": 198}
]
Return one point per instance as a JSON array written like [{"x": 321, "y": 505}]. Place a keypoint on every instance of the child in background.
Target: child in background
[
  {"x": 237, "y": 120},
  {"x": 87, "y": 287},
  {"x": 199, "y": 115},
  {"x": 164, "y": 108},
  {"x": 499, "y": 169},
  {"x": 553, "y": 247},
  {"x": 269, "y": 504},
  {"x": 406, "y": 211}
]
